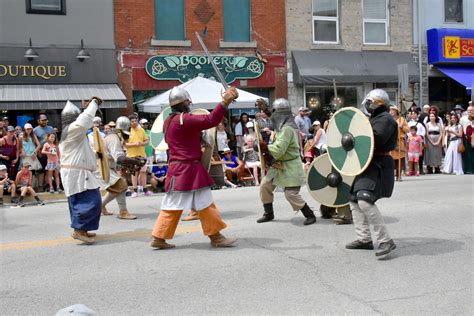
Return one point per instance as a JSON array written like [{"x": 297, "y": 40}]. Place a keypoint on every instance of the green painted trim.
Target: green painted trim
[
  {"x": 338, "y": 156},
  {"x": 343, "y": 121},
  {"x": 362, "y": 148},
  {"x": 316, "y": 181}
]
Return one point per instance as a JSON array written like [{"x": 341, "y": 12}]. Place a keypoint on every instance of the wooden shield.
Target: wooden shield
[
  {"x": 208, "y": 140},
  {"x": 99, "y": 147},
  {"x": 157, "y": 136},
  {"x": 350, "y": 141},
  {"x": 263, "y": 163},
  {"x": 326, "y": 185}
]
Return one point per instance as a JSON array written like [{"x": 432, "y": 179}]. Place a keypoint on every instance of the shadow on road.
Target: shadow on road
[{"x": 420, "y": 246}]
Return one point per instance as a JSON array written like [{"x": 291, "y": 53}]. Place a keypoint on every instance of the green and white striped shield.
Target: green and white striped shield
[
  {"x": 157, "y": 137},
  {"x": 350, "y": 141},
  {"x": 326, "y": 185}
]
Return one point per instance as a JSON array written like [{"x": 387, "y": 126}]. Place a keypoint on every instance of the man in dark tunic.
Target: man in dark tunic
[{"x": 377, "y": 180}]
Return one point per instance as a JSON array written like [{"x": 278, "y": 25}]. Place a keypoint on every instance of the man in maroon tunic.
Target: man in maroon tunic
[{"x": 188, "y": 182}]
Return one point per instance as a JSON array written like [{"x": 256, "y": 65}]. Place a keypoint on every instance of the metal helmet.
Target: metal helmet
[
  {"x": 178, "y": 95},
  {"x": 375, "y": 99},
  {"x": 123, "y": 124},
  {"x": 69, "y": 114},
  {"x": 281, "y": 104}
]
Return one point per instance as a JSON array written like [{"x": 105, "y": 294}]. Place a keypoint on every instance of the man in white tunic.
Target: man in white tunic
[{"x": 78, "y": 164}]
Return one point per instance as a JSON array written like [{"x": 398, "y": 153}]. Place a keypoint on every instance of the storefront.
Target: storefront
[
  {"x": 332, "y": 79},
  {"x": 451, "y": 59},
  {"x": 44, "y": 81},
  {"x": 151, "y": 75}
]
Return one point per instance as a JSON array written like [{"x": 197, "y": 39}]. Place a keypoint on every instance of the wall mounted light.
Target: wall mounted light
[
  {"x": 83, "y": 54},
  {"x": 30, "y": 53}
]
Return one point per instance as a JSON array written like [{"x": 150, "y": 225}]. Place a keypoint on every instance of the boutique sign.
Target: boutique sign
[
  {"x": 450, "y": 46},
  {"x": 187, "y": 67},
  {"x": 10, "y": 72}
]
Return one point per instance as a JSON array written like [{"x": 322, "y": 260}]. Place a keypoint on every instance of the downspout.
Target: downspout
[{"x": 420, "y": 56}]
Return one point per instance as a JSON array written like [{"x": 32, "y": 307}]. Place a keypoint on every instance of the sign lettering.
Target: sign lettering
[
  {"x": 21, "y": 72},
  {"x": 455, "y": 47},
  {"x": 187, "y": 67}
]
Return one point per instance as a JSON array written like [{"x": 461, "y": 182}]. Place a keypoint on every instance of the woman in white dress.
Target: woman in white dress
[{"x": 453, "y": 158}]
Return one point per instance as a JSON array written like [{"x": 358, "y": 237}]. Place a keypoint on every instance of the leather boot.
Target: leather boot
[
  {"x": 193, "y": 215},
  {"x": 218, "y": 240},
  {"x": 267, "y": 214},
  {"x": 91, "y": 234},
  {"x": 82, "y": 236},
  {"x": 309, "y": 214},
  {"x": 124, "y": 214},
  {"x": 105, "y": 212},
  {"x": 160, "y": 243}
]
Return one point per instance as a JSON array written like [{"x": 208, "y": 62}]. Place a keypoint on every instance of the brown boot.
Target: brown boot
[
  {"x": 218, "y": 240},
  {"x": 124, "y": 214},
  {"x": 193, "y": 215},
  {"x": 104, "y": 211},
  {"x": 160, "y": 243},
  {"x": 82, "y": 236}
]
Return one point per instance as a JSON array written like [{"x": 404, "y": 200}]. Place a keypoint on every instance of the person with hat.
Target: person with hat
[
  {"x": 24, "y": 184},
  {"x": 149, "y": 151},
  {"x": 377, "y": 180},
  {"x": 401, "y": 151},
  {"x": 300, "y": 120},
  {"x": 6, "y": 185},
  {"x": 286, "y": 170},
  {"x": 42, "y": 131},
  {"x": 96, "y": 122},
  {"x": 117, "y": 185},
  {"x": 78, "y": 167},
  {"x": 10, "y": 150},
  {"x": 29, "y": 146},
  {"x": 185, "y": 192},
  {"x": 233, "y": 167}
]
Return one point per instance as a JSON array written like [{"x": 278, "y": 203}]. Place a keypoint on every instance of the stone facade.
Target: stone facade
[{"x": 300, "y": 34}]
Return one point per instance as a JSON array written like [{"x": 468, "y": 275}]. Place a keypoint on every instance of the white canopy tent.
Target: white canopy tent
[{"x": 205, "y": 94}]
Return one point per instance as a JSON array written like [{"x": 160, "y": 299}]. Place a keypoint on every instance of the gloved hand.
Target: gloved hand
[
  {"x": 230, "y": 95},
  {"x": 97, "y": 100}
]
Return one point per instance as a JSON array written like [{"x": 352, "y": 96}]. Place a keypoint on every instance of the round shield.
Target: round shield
[
  {"x": 326, "y": 185},
  {"x": 157, "y": 136},
  {"x": 259, "y": 139},
  {"x": 350, "y": 141},
  {"x": 208, "y": 140}
]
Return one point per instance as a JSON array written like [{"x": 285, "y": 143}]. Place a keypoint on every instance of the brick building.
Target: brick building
[
  {"x": 352, "y": 46},
  {"x": 157, "y": 48}
]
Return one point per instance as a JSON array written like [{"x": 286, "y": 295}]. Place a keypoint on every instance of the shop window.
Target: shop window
[
  {"x": 375, "y": 22},
  {"x": 325, "y": 22},
  {"x": 453, "y": 12},
  {"x": 321, "y": 100},
  {"x": 46, "y": 7},
  {"x": 169, "y": 20},
  {"x": 236, "y": 20}
]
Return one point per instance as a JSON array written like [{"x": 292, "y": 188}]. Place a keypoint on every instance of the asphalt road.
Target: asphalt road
[{"x": 280, "y": 267}]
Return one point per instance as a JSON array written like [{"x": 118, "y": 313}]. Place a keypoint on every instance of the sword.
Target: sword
[{"x": 213, "y": 64}]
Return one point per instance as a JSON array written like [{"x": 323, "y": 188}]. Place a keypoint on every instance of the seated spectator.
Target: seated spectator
[
  {"x": 158, "y": 172},
  {"x": 24, "y": 184},
  {"x": 233, "y": 167},
  {"x": 308, "y": 160},
  {"x": 6, "y": 185},
  {"x": 251, "y": 158}
]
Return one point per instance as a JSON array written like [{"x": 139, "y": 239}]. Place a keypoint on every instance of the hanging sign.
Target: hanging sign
[{"x": 187, "y": 67}]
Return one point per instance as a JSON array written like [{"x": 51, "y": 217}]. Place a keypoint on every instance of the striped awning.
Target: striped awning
[{"x": 54, "y": 96}]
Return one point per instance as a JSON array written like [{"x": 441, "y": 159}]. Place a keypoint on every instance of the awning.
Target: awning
[
  {"x": 463, "y": 75},
  {"x": 54, "y": 96},
  {"x": 322, "y": 66}
]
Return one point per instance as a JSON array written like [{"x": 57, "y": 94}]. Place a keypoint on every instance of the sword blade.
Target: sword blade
[{"x": 213, "y": 64}]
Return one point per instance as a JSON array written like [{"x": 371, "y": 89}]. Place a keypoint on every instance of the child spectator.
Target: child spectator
[
  {"x": 251, "y": 158},
  {"x": 158, "y": 172},
  {"x": 6, "y": 185},
  {"x": 23, "y": 183},
  {"x": 415, "y": 143},
  {"x": 51, "y": 150}
]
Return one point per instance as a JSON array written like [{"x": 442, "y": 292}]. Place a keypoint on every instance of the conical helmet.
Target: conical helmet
[
  {"x": 178, "y": 95},
  {"x": 123, "y": 124},
  {"x": 69, "y": 113}
]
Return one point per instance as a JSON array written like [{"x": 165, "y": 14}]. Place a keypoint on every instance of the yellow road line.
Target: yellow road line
[{"x": 99, "y": 237}]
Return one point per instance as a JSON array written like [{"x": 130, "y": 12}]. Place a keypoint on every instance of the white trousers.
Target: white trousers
[{"x": 364, "y": 214}]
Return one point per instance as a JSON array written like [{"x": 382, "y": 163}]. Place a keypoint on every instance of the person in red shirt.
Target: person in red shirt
[{"x": 185, "y": 192}]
